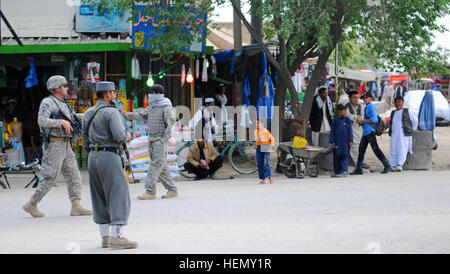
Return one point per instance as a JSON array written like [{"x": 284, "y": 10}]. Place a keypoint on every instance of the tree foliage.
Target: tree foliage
[
  {"x": 397, "y": 33},
  {"x": 168, "y": 19}
]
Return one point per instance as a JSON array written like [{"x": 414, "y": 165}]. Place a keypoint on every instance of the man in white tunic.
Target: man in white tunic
[
  {"x": 403, "y": 122},
  {"x": 321, "y": 113},
  {"x": 221, "y": 97},
  {"x": 206, "y": 116}
]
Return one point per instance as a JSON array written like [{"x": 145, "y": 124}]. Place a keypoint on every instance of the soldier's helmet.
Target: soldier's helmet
[{"x": 55, "y": 82}]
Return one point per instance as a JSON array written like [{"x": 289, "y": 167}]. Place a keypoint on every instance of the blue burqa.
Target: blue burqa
[{"x": 427, "y": 114}]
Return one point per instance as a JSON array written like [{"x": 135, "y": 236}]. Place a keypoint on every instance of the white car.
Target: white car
[{"x": 413, "y": 98}]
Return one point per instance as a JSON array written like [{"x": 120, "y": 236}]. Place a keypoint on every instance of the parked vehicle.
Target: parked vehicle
[{"x": 413, "y": 98}]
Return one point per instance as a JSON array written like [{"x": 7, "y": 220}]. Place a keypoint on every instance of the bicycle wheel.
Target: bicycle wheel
[
  {"x": 242, "y": 157},
  {"x": 182, "y": 154}
]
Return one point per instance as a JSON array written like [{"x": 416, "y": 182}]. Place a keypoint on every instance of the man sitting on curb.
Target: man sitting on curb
[{"x": 203, "y": 160}]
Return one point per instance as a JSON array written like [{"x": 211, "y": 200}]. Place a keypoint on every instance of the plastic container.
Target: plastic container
[
  {"x": 94, "y": 97},
  {"x": 135, "y": 102},
  {"x": 130, "y": 105},
  {"x": 13, "y": 157},
  {"x": 145, "y": 101},
  {"x": 16, "y": 128}
]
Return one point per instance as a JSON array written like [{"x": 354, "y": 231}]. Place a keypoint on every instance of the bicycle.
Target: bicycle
[{"x": 241, "y": 155}]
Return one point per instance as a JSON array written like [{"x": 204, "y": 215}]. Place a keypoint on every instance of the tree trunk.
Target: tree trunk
[
  {"x": 283, "y": 72},
  {"x": 280, "y": 97},
  {"x": 256, "y": 20}
]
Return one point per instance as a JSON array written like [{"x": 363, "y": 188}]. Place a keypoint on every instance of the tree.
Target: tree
[
  {"x": 398, "y": 32},
  {"x": 174, "y": 22}
]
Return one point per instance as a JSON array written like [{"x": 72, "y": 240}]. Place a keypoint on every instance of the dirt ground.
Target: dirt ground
[
  {"x": 441, "y": 160},
  {"x": 441, "y": 156}
]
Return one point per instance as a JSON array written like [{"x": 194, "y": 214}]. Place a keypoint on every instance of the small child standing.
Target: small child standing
[
  {"x": 264, "y": 142},
  {"x": 341, "y": 139}
]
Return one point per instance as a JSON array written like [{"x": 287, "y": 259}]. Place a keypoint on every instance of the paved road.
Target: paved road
[{"x": 395, "y": 213}]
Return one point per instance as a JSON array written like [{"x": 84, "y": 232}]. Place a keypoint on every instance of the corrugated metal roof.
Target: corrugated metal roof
[
  {"x": 352, "y": 74},
  {"x": 8, "y": 41}
]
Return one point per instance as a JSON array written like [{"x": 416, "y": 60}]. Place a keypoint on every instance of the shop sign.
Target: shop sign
[
  {"x": 92, "y": 19},
  {"x": 143, "y": 29}
]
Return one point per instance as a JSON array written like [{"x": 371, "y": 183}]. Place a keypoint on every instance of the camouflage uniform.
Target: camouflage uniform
[
  {"x": 160, "y": 120},
  {"x": 59, "y": 154}
]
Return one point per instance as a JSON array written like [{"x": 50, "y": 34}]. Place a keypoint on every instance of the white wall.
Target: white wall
[{"x": 36, "y": 18}]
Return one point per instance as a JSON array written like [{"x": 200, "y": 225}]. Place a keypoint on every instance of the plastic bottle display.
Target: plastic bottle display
[
  {"x": 145, "y": 101},
  {"x": 135, "y": 102}
]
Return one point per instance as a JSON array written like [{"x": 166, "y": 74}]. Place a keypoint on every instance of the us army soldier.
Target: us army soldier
[
  {"x": 53, "y": 117},
  {"x": 104, "y": 135},
  {"x": 160, "y": 117}
]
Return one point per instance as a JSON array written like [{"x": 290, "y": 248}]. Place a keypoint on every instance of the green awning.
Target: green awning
[{"x": 57, "y": 48}]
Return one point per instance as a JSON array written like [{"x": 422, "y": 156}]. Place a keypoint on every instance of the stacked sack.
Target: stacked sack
[{"x": 140, "y": 158}]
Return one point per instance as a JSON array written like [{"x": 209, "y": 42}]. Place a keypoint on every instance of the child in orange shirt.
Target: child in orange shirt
[{"x": 264, "y": 141}]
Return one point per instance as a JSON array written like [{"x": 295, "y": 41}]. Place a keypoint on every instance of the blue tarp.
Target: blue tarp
[
  {"x": 265, "y": 80},
  {"x": 224, "y": 56}
]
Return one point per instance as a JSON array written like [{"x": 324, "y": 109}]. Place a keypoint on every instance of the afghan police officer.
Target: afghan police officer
[
  {"x": 160, "y": 117},
  {"x": 104, "y": 135},
  {"x": 55, "y": 119}
]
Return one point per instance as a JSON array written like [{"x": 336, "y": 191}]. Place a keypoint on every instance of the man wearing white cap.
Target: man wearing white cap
[{"x": 207, "y": 117}]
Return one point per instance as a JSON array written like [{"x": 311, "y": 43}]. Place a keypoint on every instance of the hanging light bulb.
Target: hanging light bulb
[
  {"x": 189, "y": 77},
  {"x": 150, "y": 82}
]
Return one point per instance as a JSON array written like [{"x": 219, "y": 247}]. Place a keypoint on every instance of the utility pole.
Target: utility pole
[{"x": 237, "y": 33}]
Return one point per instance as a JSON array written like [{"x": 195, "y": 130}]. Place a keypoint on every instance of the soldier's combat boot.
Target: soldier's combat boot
[
  {"x": 122, "y": 242},
  {"x": 31, "y": 208},
  {"x": 170, "y": 194},
  {"x": 147, "y": 196},
  {"x": 106, "y": 241},
  {"x": 78, "y": 210}
]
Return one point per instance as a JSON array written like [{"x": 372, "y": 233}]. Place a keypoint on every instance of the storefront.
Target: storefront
[{"x": 72, "y": 58}]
